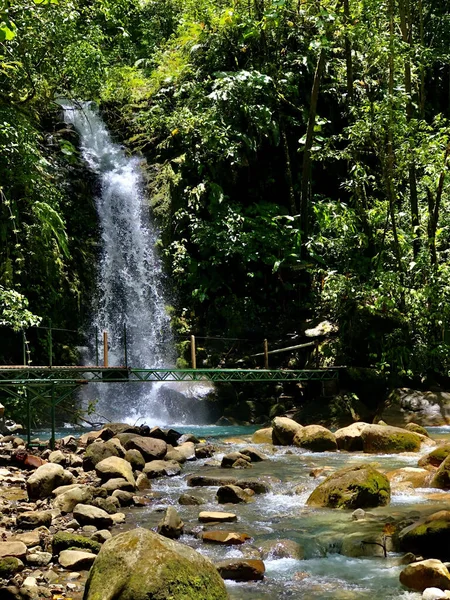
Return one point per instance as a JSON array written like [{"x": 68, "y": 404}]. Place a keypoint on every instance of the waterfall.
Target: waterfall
[{"x": 130, "y": 277}]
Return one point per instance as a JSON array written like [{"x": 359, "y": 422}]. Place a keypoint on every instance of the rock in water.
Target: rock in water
[
  {"x": 425, "y": 574},
  {"x": 284, "y": 430},
  {"x": 353, "y": 487},
  {"x": 428, "y": 537},
  {"x": 140, "y": 564},
  {"x": 315, "y": 438}
]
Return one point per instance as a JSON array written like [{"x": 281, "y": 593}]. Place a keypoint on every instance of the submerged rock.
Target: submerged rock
[
  {"x": 140, "y": 564},
  {"x": 352, "y": 487},
  {"x": 425, "y": 574},
  {"x": 232, "y": 494},
  {"x": 281, "y": 549},
  {"x": 416, "y": 477}
]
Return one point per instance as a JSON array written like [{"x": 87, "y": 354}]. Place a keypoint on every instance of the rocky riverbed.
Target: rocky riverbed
[{"x": 290, "y": 512}]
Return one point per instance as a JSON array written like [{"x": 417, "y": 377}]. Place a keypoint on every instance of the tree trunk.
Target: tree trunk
[
  {"x": 306, "y": 170},
  {"x": 288, "y": 171},
  {"x": 348, "y": 52}
]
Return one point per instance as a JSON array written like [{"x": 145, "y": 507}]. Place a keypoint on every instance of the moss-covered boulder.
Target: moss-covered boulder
[
  {"x": 64, "y": 540},
  {"x": 353, "y": 487},
  {"x": 377, "y": 439},
  {"x": 140, "y": 564},
  {"x": 435, "y": 458},
  {"x": 9, "y": 566},
  {"x": 315, "y": 438},
  {"x": 441, "y": 478},
  {"x": 284, "y": 430},
  {"x": 414, "y": 427},
  {"x": 428, "y": 537}
]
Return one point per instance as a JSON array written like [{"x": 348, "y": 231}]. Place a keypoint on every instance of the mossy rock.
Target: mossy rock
[
  {"x": 442, "y": 477},
  {"x": 315, "y": 438},
  {"x": 142, "y": 565},
  {"x": 435, "y": 458},
  {"x": 428, "y": 537},
  {"x": 9, "y": 566},
  {"x": 415, "y": 428},
  {"x": 353, "y": 487},
  {"x": 71, "y": 541}
]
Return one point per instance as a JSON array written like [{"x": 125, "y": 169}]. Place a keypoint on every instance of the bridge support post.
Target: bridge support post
[
  {"x": 193, "y": 353},
  {"x": 105, "y": 349},
  {"x": 266, "y": 354}
]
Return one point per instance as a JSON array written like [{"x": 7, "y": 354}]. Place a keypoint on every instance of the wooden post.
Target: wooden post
[
  {"x": 193, "y": 353},
  {"x": 317, "y": 356},
  {"x": 266, "y": 354},
  {"x": 105, "y": 349}
]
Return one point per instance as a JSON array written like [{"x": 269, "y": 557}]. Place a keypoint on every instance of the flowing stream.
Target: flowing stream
[
  {"x": 130, "y": 277},
  {"x": 335, "y": 566}
]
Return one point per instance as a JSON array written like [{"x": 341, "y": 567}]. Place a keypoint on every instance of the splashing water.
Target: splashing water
[{"x": 130, "y": 277}]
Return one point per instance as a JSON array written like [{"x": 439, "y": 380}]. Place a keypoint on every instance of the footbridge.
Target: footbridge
[{"x": 51, "y": 385}]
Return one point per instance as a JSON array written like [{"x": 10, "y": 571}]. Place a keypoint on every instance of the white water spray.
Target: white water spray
[{"x": 130, "y": 278}]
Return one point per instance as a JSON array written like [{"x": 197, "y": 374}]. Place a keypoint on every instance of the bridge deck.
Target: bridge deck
[{"x": 37, "y": 375}]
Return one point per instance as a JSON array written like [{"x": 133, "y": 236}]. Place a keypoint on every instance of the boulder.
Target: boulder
[
  {"x": 226, "y": 538},
  {"x": 173, "y": 454},
  {"x": 216, "y": 517},
  {"x": 161, "y": 468},
  {"x": 171, "y": 526},
  {"x": 45, "y": 479},
  {"x": 229, "y": 460},
  {"x": 414, "y": 427},
  {"x": 241, "y": 569},
  {"x": 433, "y": 593},
  {"x": 150, "y": 448},
  {"x": 75, "y": 560},
  {"x": 39, "y": 559},
  {"x": 415, "y": 476},
  {"x": 109, "y": 505},
  {"x": 352, "y": 487},
  {"x": 232, "y": 494},
  {"x": 115, "y": 467},
  {"x": 204, "y": 451},
  {"x": 284, "y": 430},
  {"x": 143, "y": 482},
  {"x": 117, "y": 483},
  {"x": 254, "y": 454},
  {"x": 377, "y": 439},
  {"x": 97, "y": 452},
  {"x": 58, "y": 457},
  {"x": 9, "y": 566},
  {"x": 140, "y": 564},
  {"x": 436, "y": 457},
  {"x": 15, "y": 549},
  {"x": 187, "y": 449},
  {"x": 33, "y": 519},
  {"x": 263, "y": 436},
  {"x": 91, "y": 515},
  {"x": 425, "y": 408},
  {"x": 135, "y": 458},
  {"x": 67, "y": 500},
  {"x": 63, "y": 540},
  {"x": 315, "y": 438},
  {"x": 188, "y": 500},
  {"x": 425, "y": 574},
  {"x": 124, "y": 498},
  {"x": 441, "y": 478},
  {"x": 428, "y": 537}
]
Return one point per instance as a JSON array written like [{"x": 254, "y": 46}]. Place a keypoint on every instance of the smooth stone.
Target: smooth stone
[
  {"x": 39, "y": 559},
  {"x": 15, "y": 549},
  {"x": 232, "y": 494},
  {"x": 254, "y": 454},
  {"x": 425, "y": 574},
  {"x": 143, "y": 482},
  {"x": 150, "y": 448},
  {"x": 227, "y": 538},
  {"x": 171, "y": 526},
  {"x": 433, "y": 593},
  {"x": 230, "y": 460},
  {"x": 118, "y": 484},
  {"x": 241, "y": 569},
  {"x": 188, "y": 500},
  {"x": 161, "y": 468},
  {"x": 263, "y": 436},
  {"x": 216, "y": 517},
  {"x": 45, "y": 479},
  {"x": 90, "y": 515},
  {"x": 315, "y": 438},
  {"x": 33, "y": 519},
  {"x": 75, "y": 559},
  {"x": 115, "y": 467},
  {"x": 284, "y": 430}
]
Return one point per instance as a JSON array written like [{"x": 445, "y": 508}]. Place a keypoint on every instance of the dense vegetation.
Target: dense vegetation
[{"x": 297, "y": 153}]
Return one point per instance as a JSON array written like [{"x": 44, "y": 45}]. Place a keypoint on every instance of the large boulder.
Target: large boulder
[
  {"x": 241, "y": 569},
  {"x": 425, "y": 574},
  {"x": 413, "y": 476},
  {"x": 115, "y": 467},
  {"x": 34, "y": 518},
  {"x": 150, "y": 448},
  {"x": 377, "y": 439},
  {"x": 91, "y": 515},
  {"x": 77, "y": 494},
  {"x": 284, "y": 430},
  {"x": 46, "y": 479},
  {"x": 98, "y": 451},
  {"x": 425, "y": 408},
  {"x": 140, "y": 564},
  {"x": 428, "y": 537},
  {"x": 263, "y": 436},
  {"x": 352, "y": 487},
  {"x": 436, "y": 457},
  {"x": 441, "y": 478},
  {"x": 315, "y": 438}
]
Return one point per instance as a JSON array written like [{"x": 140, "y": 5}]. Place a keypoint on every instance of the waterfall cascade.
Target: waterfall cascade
[{"x": 130, "y": 278}]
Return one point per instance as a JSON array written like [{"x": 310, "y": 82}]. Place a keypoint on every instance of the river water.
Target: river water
[{"x": 324, "y": 534}]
